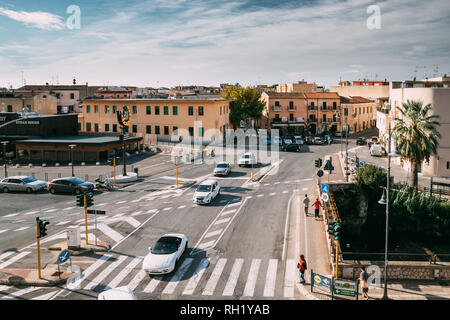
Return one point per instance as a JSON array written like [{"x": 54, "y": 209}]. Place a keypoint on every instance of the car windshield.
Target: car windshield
[
  {"x": 77, "y": 180},
  {"x": 246, "y": 156},
  {"x": 222, "y": 165},
  {"x": 29, "y": 180},
  {"x": 166, "y": 245},
  {"x": 204, "y": 188}
]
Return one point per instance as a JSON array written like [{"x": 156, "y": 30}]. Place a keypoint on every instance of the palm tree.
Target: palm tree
[{"x": 417, "y": 135}]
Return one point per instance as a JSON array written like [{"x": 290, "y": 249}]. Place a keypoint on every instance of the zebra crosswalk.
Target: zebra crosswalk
[{"x": 193, "y": 276}]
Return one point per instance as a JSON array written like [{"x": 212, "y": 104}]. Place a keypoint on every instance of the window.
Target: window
[
  {"x": 149, "y": 110},
  {"x": 114, "y": 109},
  {"x": 134, "y": 109},
  {"x": 148, "y": 129},
  {"x": 106, "y": 109},
  {"x": 72, "y": 96},
  {"x": 166, "y": 130},
  {"x": 334, "y": 105},
  {"x": 175, "y": 110},
  {"x": 324, "y": 118},
  {"x": 9, "y": 108},
  {"x": 95, "y": 109},
  {"x": 79, "y": 126},
  {"x": 166, "y": 110},
  {"x": 346, "y": 114},
  {"x": 96, "y": 127},
  {"x": 114, "y": 127},
  {"x": 291, "y": 117},
  {"x": 134, "y": 128},
  {"x": 448, "y": 166},
  {"x": 324, "y": 105},
  {"x": 190, "y": 110},
  {"x": 175, "y": 129},
  {"x": 191, "y": 131},
  {"x": 88, "y": 126},
  {"x": 156, "y": 109},
  {"x": 106, "y": 127},
  {"x": 277, "y": 103},
  {"x": 200, "y": 111},
  {"x": 156, "y": 129},
  {"x": 291, "y": 104},
  {"x": 58, "y": 95},
  {"x": 201, "y": 132},
  {"x": 220, "y": 110},
  {"x": 88, "y": 109}
]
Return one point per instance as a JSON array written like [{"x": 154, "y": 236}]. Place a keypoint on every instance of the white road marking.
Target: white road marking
[
  {"x": 125, "y": 271},
  {"x": 193, "y": 282},
  {"x": 260, "y": 195},
  {"x": 233, "y": 279},
  {"x": 63, "y": 222},
  {"x": 153, "y": 284},
  {"x": 31, "y": 212},
  {"x": 205, "y": 245},
  {"x": 137, "y": 279},
  {"x": 21, "y": 229},
  {"x": 22, "y": 292},
  {"x": 113, "y": 234},
  {"x": 84, "y": 275},
  {"x": 272, "y": 194},
  {"x": 6, "y": 254},
  {"x": 289, "y": 278},
  {"x": 252, "y": 277},
  {"x": 173, "y": 282},
  {"x": 181, "y": 207},
  {"x": 69, "y": 208},
  {"x": 51, "y": 210},
  {"x": 11, "y": 215},
  {"x": 45, "y": 296},
  {"x": 212, "y": 282},
  {"x": 1, "y": 231},
  {"x": 214, "y": 233},
  {"x": 222, "y": 221},
  {"x": 167, "y": 209},
  {"x": 120, "y": 202},
  {"x": 285, "y": 191},
  {"x": 97, "y": 280},
  {"x": 271, "y": 277},
  {"x": 234, "y": 204},
  {"x": 14, "y": 259}
]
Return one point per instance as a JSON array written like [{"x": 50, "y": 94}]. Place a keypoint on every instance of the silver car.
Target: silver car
[
  {"x": 222, "y": 169},
  {"x": 22, "y": 183}
]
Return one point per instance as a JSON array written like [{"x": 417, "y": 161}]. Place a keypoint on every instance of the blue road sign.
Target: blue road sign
[
  {"x": 64, "y": 256},
  {"x": 325, "y": 188}
]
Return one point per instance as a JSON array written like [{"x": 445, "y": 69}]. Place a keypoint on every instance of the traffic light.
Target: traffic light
[
  {"x": 318, "y": 163},
  {"x": 80, "y": 200},
  {"x": 331, "y": 226},
  {"x": 42, "y": 227},
  {"x": 337, "y": 231},
  {"x": 89, "y": 199}
]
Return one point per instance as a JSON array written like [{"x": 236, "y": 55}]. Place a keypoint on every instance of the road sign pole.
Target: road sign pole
[
  {"x": 95, "y": 219},
  {"x": 332, "y": 288},
  {"x": 337, "y": 258},
  {"x": 85, "y": 218},
  {"x": 176, "y": 170},
  {"x": 114, "y": 161},
  {"x": 38, "y": 247},
  {"x": 312, "y": 280}
]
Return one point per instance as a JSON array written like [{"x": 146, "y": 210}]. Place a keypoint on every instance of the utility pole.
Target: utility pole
[
  {"x": 346, "y": 150},
  {"x": 4, "y": 143}
]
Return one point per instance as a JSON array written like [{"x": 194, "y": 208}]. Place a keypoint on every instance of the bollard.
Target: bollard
[
  {"x": 33, "y": 175},
  {"x": 30, "y": 165},
  {"x": 59, "y": 175}
]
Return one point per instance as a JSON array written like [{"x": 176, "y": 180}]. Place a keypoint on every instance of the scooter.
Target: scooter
[{"x": 104, "y": 184}]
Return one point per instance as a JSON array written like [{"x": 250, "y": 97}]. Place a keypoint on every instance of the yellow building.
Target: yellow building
[
  {"x": 301, "y": 86},
  {"x": 43, "y": 103},
  {"x": 152, "y": 118},
  {"x": 358, "y": 113}
]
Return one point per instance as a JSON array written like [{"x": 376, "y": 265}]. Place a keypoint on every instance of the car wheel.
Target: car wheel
[
  {"x": 5, "y": 190},
  {"x": 29, "y": 190},
  {"x": 52, "y": 190}
]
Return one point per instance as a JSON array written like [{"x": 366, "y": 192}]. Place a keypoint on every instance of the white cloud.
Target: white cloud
[{"x": 37, "y": 19}]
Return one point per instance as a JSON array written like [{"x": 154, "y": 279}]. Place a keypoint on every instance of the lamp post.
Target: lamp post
[
  {"x": 385, "y": 201},
  {"x": 71, "y": 156},
  {"x": 4, "y": 143},
  {"x": 346, "y": 150}
]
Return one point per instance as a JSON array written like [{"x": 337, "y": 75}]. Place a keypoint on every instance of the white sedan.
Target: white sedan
[{"x": 163, "y": 257}]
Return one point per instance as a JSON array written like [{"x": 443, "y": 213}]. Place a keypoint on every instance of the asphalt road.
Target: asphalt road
[{"x": 236, "y": 244}]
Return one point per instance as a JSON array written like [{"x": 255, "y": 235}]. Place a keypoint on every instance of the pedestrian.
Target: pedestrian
[
  {"x": 363, "y": 277},
  {"x": 306, "y": 204},
  {"x": 302, "y": 266},
  {"x": 317, "y": 206}
]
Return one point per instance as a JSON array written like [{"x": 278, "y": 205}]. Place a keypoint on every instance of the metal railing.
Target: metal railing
[{"x": 398, "y": 256}]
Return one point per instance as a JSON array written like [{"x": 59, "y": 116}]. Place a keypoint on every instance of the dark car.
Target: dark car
[
  {"x": 361, "y": 141},
  {"x": 291, "y": 147},
  {"x": 70, "y": 185}
]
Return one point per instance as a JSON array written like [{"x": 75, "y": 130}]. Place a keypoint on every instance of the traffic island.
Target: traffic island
[
  {"x": 83, "y": 249},
  {"x": 130, "y": 177},
  {"x": 29, "y": 277}
]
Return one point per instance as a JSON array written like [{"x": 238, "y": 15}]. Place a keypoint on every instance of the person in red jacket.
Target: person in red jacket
[
  {"x": 302, "y": 266},
  {"x": 317, "y": 206}
]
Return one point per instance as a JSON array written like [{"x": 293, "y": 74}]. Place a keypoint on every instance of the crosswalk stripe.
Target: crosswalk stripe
[
  {"x": 63, "y": 222},
  {"x": 222, "y": 221},
  {"x": 137, "y": 279},
  {"x": 289, "y": 278},
  {"x": 212, "y": 282},
  {"x": 1, "y": 231},
  {"x": 11, "y": 215},
  {"x": 4, "y": 288},
  {"x": 12, "y": 260},
  {"x": 31, "y": 212},
  {"x": 233, "y": 279},
  {"x": 173, "y": 282},
  {"x": 21, "y": 229},
  {"x": 6, "y": 254},
  {"x": 213, "y": 233},
  {"x": 45, "y": 296},
  {"x": 181, "y": 207},
  {"x": 252, "y": 277},
  {"x": 153, "y": 284},
  {"x": 271, "y": 276},
  {"x": 84, "y": 275},
  {"x": 97, "y": 280},
  {"x": 228, "y": 212},
  {"x": 193, "y": 282},
  {"x": 21, "y": 292},
  {"x": 234, "y": 204},
  {"x": 206, "y": 244},
  {"x": 125, "y": 271},
  {"x": 136, "y": 213},
  {"x": 69, "y": 208},
  {"x": 116, "y": 236}
]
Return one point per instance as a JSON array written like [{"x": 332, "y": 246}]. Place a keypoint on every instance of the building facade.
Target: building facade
[
  {"x": 43, "y": 103},
  {"x": 301, "y": 86},
  {"x": 358, "y": 113}
]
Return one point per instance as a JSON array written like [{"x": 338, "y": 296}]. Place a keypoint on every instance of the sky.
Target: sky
[{"x": 167, "y": 43}]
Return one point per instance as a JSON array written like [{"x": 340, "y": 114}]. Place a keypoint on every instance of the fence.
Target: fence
[{"x": 432, "y": 258}]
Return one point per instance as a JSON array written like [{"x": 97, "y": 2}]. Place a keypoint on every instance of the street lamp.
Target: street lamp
[
  {"x": 385, "y": 201},
  {"x": 71, "y": 156},
  {"x": 4, "y": 143},
  {"x": 346, "y": 150}
]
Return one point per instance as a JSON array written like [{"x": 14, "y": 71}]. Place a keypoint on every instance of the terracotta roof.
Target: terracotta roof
[
  {"x": 321, "y": 95},
  {"x": 355, "y": 99},
  {"x": 285, "y": 95}
]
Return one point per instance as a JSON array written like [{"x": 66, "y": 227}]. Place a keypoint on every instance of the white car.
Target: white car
[
  {"x": 22, "y": 183},
  {"x": 120, "y": 293},
  {"x": 206, "y": 192},
  {"x": 163, "y": 257},
  {"x": 377, "y": 150},
  {"x": 247, "y": 159},
  {"x": 222, "y": 169}
]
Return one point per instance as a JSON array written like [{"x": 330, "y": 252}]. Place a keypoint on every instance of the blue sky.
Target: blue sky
[{"x": 182, "y": 42}]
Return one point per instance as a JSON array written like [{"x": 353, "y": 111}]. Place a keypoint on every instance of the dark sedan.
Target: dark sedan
[
  {"x": 291, "y": 147},
  {"x": 70, "y": 185}
]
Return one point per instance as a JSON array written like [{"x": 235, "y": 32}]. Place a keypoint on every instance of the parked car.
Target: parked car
[
  {"x": 318, "y": 140},
  {"x": 70, "y": 185},
  {"x": 361, "y": 141},
  {"x": 338, "y": 134},
  {"x": 163, "y": 257},
  {"x": 222, "y": 169},
  {"x": 309, "y": 140},
  {"x": 206, "y": 192},
  {"x": 277, "y": 140},
  {"x": 287, "y": 141},
  {"x": 374, "y": 138},
  {"x": 247, "y": 159},
  {"x": 299, "y": 140},
  {"x": 120, "y": 293},
  {"x": 265, "y": 139},
  {"x": 22, "y": 183},
  {"x": 377, "y": 150},
  {"x": 291, "y": 147}
]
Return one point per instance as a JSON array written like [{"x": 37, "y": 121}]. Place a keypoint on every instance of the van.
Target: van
[{"x": 377, "y": 150}]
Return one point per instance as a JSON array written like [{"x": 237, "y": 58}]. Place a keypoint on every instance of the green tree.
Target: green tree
[
  {"x": 417, "y": 135},
  {"x": 246, "y": 104}
]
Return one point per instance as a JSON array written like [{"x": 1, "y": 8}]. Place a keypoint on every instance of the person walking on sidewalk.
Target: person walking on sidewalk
[
  {"x": 317, "y": 206},
  {"x": 306, "y": 204},
  {"x": 363, "y": 277},
  {"x": 302, "y": 266}
]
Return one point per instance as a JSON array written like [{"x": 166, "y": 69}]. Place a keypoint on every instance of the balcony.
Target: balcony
[
  {"x": 292, "y": 108},
  {"x": 277, "y": 108},
  {"x": 312, "y": 120},
  {"x": 312, "y": 108}
]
